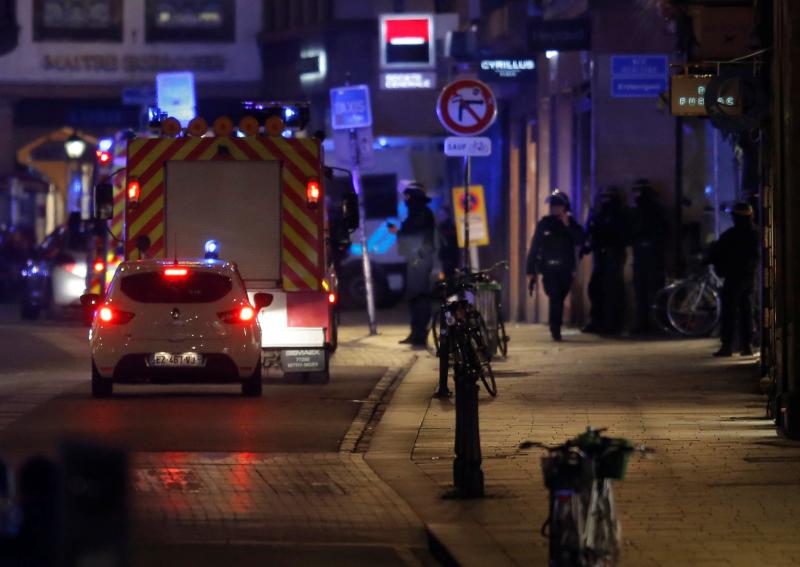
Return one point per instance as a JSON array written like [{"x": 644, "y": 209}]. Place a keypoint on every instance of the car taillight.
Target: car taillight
[
  {"x": 99, "y": 266},
  {"x": 244, "y": 314},
  {"x": 111, "y": 316},
  {"x": 331, "y": 298}
]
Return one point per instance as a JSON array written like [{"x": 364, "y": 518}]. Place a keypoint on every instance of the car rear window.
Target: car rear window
[{"x": 195, "y": 287}]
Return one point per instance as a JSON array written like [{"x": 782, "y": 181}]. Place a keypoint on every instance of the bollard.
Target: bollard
[{"x": 467, "y": 473}]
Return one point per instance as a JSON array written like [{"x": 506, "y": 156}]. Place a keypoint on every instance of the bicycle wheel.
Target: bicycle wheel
[
  {"x": 693, "y": 308},
  {"x": 482, "y": 364},
  {"x": 565, "y": 529},
  {"x": 658, "y": 310},
  {"x": 605, "y": 547}
]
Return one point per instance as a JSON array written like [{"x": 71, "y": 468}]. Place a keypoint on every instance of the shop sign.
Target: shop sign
[
  {"x": 110, "y": 63},
  {"x": 408, "y": 81},
  {"x": 688, "y": 95},
  {"x": 521, "y": 68},
  {"x": 407, "y": 41}
]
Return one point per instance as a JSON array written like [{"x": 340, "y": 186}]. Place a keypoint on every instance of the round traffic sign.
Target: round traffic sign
[{"x": 466, "y": 107}]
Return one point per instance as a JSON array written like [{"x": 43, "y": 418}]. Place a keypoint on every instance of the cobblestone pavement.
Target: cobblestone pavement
[
  {"x": 305, "y": 497},
  {"x": 722, "y": 488}
]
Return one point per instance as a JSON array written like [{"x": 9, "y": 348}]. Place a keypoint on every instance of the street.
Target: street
[{"x": 209, "y": 467}]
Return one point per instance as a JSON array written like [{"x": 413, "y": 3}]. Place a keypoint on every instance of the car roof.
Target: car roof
[{"x": 141, "y": 266}]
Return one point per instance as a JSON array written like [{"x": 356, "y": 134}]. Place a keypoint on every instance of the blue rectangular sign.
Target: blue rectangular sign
[
  {"x": 639, "y": 75},
  {"x": 350, "y": 108}
]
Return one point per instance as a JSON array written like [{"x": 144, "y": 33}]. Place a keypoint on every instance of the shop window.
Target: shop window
[
  {"x": 77, "y": 20},
  {"x": 190, "y": 20}
]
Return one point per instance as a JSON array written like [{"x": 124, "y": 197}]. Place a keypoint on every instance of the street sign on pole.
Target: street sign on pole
[
  {"x": 457, "y": 146},
  {"x": 479, "y": 227},
  {"x": 639, "y": 75},
  {"x": 350, "y": 107},
  {"x": 467, "y": 107},
  {"x": 351, "y": 114}
]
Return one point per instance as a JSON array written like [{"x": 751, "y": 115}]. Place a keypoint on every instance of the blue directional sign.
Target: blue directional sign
[
  {"x": 350, "y": 107},
  {"x": 639, "y": 75}
]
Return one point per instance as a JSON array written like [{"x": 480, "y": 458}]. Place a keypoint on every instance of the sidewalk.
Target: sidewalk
[{"x": 722, "y": 488}]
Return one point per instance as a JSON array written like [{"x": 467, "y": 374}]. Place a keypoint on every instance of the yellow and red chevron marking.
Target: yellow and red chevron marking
[{"x": 302, "y": 252}]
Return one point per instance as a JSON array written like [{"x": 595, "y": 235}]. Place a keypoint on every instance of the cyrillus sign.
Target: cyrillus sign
[{"x": 494, "y": 69}]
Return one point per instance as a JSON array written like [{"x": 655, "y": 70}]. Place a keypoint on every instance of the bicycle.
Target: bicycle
[
  {"x": 488, "y": 302},
  {"x": 459, "y": 334},
  {"x": 693, "y": 306},
  {"x": 582, "y": 524}
]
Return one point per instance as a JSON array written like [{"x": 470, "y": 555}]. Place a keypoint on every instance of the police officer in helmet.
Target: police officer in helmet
[
  {"x": 735, "y": 259},
  {"x": 553, "y": 256}
]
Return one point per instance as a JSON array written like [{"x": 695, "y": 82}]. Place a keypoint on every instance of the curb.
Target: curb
[{"x": 455, "y": 537}]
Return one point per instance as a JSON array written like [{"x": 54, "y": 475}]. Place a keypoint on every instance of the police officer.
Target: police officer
[
  {"x": 650, "y": 228},
  {"x": 608, "y": 229},
  {"x": 552, "y": 255},
  {"x": 416, "y": 243},
  {"x": 735, "y": 259}
]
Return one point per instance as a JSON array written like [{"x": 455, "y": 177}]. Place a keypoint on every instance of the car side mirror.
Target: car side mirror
[
  {"x": 262, "y": 300},
  {"x": 90, "y": 300},
  {"x": 351, "y": 217},
  {"x": 103, "y": 201}
]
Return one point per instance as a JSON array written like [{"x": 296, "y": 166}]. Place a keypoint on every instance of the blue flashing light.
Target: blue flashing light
[
  {"x": 380, "y": 241},
  {"x": 289, "y": 112},
  {"x": 105, "y": 144},
  {"x": 709, "y": 190},
  {"x": 286, "y": 133},
  {"x": 212, "y": 249},
  {"x": 383, "y": 142}
]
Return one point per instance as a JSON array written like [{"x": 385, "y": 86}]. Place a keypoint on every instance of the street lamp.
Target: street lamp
[{"x": 74, "y": 146}]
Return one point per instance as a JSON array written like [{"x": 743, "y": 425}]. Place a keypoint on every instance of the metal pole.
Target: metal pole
[
  {"x": 365, "y": 263},
  {"x": 715, "y": 151},
  {"x": 467, "y": 473},
  {"x": 467, "y": 182}
]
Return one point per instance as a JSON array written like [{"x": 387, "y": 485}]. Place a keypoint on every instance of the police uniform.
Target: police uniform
[
  {"x": 552, "y": 254},
  {"x": 608, "y": 234},
  {"x": 416, "y": 242},
  {"x": 649, "y": 234},
  {"x": 735, "y": 258}
]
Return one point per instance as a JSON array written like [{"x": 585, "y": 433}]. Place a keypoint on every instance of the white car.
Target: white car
[{"x": 176, "y": 322}]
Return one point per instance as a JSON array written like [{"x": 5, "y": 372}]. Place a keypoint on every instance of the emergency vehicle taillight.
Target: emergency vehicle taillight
[
  {"x": 331, "y": 298},
  {"x": 99, "y": 266},
  {"x": 312, "y": 193},
  {"x": 134, "y": 191},
  {"x": 112, "y": 316},
  {"x": 103, "y": 157}
]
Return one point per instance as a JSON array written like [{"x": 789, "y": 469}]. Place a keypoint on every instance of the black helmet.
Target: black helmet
[
  {"x": 741, "y": 210},
  {"x": 559, "y": 198},
  {"x": 415, "y": 191}
]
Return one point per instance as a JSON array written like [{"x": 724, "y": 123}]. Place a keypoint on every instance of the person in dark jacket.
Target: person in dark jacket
[
  {"x": 552, "y": 255},
  {"x": 416, "y": 241},
  {"x": 735, "y": 259},
  {"x": 607, "y": 229},
  {"x": 649, "y": 231}
]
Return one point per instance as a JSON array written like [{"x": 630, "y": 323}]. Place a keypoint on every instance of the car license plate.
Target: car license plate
[
  {"x": 303, "y": 360},
  {"x": 183, "y": 360}
]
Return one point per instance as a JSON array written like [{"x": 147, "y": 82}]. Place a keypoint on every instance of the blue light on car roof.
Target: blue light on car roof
[
  {"x": 104, "y": 144},
  {"x": 211, "y": 248}
]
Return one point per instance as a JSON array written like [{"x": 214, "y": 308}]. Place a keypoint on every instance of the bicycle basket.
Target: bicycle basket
[
  {"x": 613, "y": 461},
  {"x": 566, "y": 472}
]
